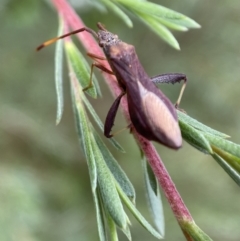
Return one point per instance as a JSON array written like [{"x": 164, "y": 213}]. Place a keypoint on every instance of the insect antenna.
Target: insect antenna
[
  {"x": 53, "y": 40},
  {"x": 101, "y": 26}
]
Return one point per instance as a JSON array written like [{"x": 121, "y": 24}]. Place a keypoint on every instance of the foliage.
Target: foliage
[{"x": 222, "y": 147}]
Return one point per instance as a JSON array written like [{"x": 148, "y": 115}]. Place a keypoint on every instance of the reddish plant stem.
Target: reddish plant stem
[{"x": 178, "y": 207}]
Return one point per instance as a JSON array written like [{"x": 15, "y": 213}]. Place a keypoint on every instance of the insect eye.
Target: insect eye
[{"x": 101, "y": 44}]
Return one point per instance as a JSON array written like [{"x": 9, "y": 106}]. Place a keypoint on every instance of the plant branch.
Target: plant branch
[{"x": 177, "y": 205}]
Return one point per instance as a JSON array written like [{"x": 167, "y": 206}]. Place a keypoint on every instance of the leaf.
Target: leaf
[
  {"x": 127, "y": 232},
  {"x": 172, "y": 25},
  {"x": 115, "y": 169},
  {"x": 118, "y": 11},
  {"x": 88, "y": 150},
  {"x": 112, "y": 228},
  {"x": 97, "y": 167},
  {"x": 150, "y": 177},
  {"x": 225, "y": 145},
  {"x": 59, "y": 73},
  {"x": 157, "y": 10},
  {"x": 100, "y": 124},
  {"x": 107, "y": 188},
  {"x": 84, "y": 131},
  {"x": 160, "y": 30},
  {"x": 76, "y": 118},
  {"x": 185, "y": 22},
  {"x": 154, "y": 198},
  {"x": 195, "y": 138},
  {"x": 210, "y": 141},
  {"x": 80, "y": 67},
  {"x": 98, "y": 170},
  {"x": 100, "y": 216},
  {"x": 227, "y": 168},
  {"x": 229, "y": 158},
  {"x": 137, "y": 214},
  {"x": 198, "y": 125}
]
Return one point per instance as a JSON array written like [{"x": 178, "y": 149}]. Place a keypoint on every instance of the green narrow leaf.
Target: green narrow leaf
[
  {"x": 150, "y": 177},
  {"x": 59, "y": 73},
  {"x": 100, "y": 124},
  {"x": 80, "y": 67},
  {"x": 194, "y": 231},
  {"x": 195, "y": 138},
  {"x": 118, "y": 11},
  {"x": 226, "y": 146},
  {"x": 100, "y": 216},
  {"x": 88, "y": 150},
  {"x": 172, "y": 25},
  {"x": 137, "y": 214},
  {"x": 198, "y": 125},
  {"x": 185, "y": 22},
  {"x": 77, "y": 121},
  {"x": 229, "y": 158},
  {"x": 160, "y": 30},
  {"x": 127, "y": 232},
  {"x": 85, "y": 140},
  {"x": 92, "y": 112},
  {"x": 157, "y": 10},
  {"x": 226, "y": 153},
  {"x": 115, "y": 169},
  {"x": 227, "y": 168},
  {"x": 84, "y": 131},
  {"x": 112, "y": 228},
  {"x": 109, "y": 194},
  {"x": 154, "y": 198}
]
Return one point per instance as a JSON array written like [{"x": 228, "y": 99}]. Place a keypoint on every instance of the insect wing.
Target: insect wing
[{"x": 160, "y": 119}]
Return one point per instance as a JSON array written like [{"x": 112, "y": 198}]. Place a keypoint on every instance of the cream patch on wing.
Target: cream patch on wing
[{"x": 159, "y": 116}]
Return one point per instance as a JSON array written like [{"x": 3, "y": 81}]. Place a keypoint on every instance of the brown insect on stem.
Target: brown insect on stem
[{"x": 151, "y": 112}]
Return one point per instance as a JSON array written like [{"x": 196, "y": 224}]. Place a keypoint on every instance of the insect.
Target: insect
[{"x": 151, "y": 112}]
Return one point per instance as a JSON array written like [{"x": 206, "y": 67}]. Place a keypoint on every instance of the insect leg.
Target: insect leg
[
  {"x": 109, "y": 122},
  {"x": 95, "y": 57},
  {"x": 168, "y": 78},
  {"x": 172, "y": 78},
  {"x": 119, "y": 131},
  {"x": 98, "y": 65}
]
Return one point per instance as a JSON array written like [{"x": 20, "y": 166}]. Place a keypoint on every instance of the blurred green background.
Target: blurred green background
[{"x": 44, "y": 183}]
